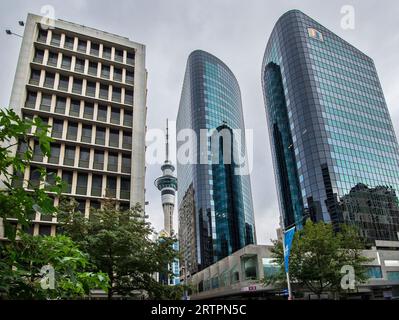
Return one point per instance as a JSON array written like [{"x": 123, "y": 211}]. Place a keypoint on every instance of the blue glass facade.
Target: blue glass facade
[
  {"x": 215, "y": 204},
  {"x": 330, "y": 130}
]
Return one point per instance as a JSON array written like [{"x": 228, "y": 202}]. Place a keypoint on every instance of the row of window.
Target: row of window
[
  {"x": 98, "y": 189},
  {"x": 104, "y": 90},
  {"x": 84, "y": 158},
  {"x": 75, "y": 109},
  {"x": 92, "y": 68},
  {"x": 83, "y": 47}
]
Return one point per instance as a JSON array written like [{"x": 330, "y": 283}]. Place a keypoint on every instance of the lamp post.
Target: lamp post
[{"x": 11, "y": 33}]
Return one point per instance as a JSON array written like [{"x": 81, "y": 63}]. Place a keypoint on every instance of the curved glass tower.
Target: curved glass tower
[
  {"x": 214, "y": 202},
  {"x": 335, "y": 154}
]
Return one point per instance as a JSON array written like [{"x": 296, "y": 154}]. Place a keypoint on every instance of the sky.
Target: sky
[{"x": 235, "y": 31}]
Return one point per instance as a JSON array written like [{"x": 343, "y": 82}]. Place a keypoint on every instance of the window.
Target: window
[
  {"x": 72, "y": 133},
  {"x": 117, "y": 74},
  {"x": 66, "y": 62},
  {"x": 129, "y": 97},
  {"x": 42, "y": 36},
  {"x": 34, "y": 77},
  {"x": 55, "y": 153},
  {"x": 91, "y": 89},
  {"x": 104, "y": 89},
  {"x": 74, "y": 108},
  {"x": 129, "y": 77},
  {"x": 102, "y": 113},
  {"x": 114, "y": 138},
  {"x": 57, "y": 129},
  {"x": 55, "y": 39},
  {"x": 52, "y": 59},
  {"x": 112, "y": 161},
  {"x": 68, "y": 44},
  {"x": 130, "y": 58},
  {"x": 106, "y": 52},
  {"x": 51, "y": 175},
  {"x": 82, "y": 46},
  {"x": 37, "y": 152},
  {"x": 116, "y": 94},
  {"x": 96, "y": 185},
  {"x": 86, "y": 133},
  {"x": 95, "y": 204},
  {"x": 374, "y": 272},
  {"x": 126, "y": 164},
  {"x": 34, "y": 177},
  {"x": 81, "y": 186},
  {"x": 88, "y": 110},
  {"x": 100, "y": 136},
  {"x": 128, "y": 118},
  {"x": 118, "y": 55},
  {"x": 60, "y": 105},
  {"x": 67, "y": 178},
  {"x": 115, "y": 116},
  {"x": 79, "y": 65},
  {"x": 77, "y": 86},
  {"x": 93, "y": 68},
  {"x": 98, "y": 162},
  {"x": 69, "y": 156},
  {"x": 393, "y": 275},
  {"x": 125, "y": 188},
  {"x": 49, "y": 80},
  {"x": 45, "y": 104},
  {"x": 64, "y": 83},
  {"x": 39, "y": 54},
  {"x": 105, "y": 71},
  {"x": 249, "y": 265},
  {"x": 111, "y": 187},
  {"x": 81, "y": 205},
  {"x": 127, "y": 140},
  {"x": 45, "y": 230},
  {"x": 31, "y": 100},
  {"x": 94, "y": 49}
]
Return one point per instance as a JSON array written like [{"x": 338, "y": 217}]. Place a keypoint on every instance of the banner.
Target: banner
[{"x": 288, "y": 237}]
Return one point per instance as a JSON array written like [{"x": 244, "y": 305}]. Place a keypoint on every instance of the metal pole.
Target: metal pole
[{"x": 290, "y": 297}]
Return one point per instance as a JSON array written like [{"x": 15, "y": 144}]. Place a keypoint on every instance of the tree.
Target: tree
[
  {"x": 317, "y": 256},
  {"x": 23, "y": 263},
  {"x": 15, "y": 202},
  {"x": 119, "y": 243}
]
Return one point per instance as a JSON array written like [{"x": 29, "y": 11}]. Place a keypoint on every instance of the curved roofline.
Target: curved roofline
[{"x": 205, "y": 53}]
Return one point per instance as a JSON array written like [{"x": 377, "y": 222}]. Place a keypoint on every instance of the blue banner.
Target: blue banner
[{"x": 288, "y": 237}]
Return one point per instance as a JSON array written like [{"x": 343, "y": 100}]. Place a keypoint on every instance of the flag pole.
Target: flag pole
[{"x": 286, "y": 271}]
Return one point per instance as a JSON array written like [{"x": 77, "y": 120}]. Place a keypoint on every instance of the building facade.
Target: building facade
[
  {"x": 89, "y": 86},
  {"x": 329, "y": 125},
  {"x": 214, "y": 202}
]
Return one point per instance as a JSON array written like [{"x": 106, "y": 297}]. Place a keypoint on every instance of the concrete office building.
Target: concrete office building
[
  {"x": 335, "y": 153},
  {"x": 90, "y": 87},
  {"x": 214, "y": 202}
]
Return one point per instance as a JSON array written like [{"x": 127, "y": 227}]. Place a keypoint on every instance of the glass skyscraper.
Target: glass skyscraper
[
  {"x": 214, "y": 202},
  {"x": 335, "y": 153}
]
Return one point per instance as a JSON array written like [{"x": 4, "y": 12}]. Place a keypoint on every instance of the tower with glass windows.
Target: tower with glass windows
[
  {"x": 335, "y": 153},
  {"x": 215, "y": 201}
]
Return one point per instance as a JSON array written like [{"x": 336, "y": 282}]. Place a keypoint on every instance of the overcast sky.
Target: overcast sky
[{"x": 236, "y": 31}]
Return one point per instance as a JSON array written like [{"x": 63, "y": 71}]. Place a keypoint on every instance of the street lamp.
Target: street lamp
[{"x": 9, "y": 32}]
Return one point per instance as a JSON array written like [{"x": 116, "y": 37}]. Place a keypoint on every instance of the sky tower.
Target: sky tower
[{"x": 167, "y": 184}]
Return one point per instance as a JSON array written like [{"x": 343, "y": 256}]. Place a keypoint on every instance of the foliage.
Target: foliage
[
  {"x": 317, "y": 256},
  {"x": 119, "y": 244},
  {"x": 21, "y": 273},
  {"x": 15, "y": 202}
]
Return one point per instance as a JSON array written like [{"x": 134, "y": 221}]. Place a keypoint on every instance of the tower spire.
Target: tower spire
[{"x": 167, "y": 141}]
